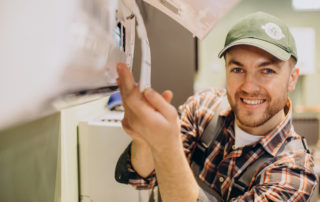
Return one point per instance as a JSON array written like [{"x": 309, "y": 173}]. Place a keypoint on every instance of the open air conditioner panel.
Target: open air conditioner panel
[
  {"x": 199, "y": 17},
  {"x": 60, "y": 52}
]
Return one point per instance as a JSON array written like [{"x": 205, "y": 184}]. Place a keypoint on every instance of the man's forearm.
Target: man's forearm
[
  {"x": 150, "y": 117},
  {"x": 175, "y": 177},
  {"x": 141, "y": 158}
]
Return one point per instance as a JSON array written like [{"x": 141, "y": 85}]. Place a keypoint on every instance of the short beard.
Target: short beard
[{"x": 272, "y": 109}]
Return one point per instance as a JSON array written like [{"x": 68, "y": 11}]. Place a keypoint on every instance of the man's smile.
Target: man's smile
[{"x": 252, "y": 101}]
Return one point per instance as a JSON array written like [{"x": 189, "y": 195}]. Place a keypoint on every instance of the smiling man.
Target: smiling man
[
  {"x": 257, "y": 87},
  {"x": 253, "y": 154}
]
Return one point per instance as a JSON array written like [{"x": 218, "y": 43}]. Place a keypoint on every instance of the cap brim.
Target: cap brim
[{"x": 274, "y": 50}]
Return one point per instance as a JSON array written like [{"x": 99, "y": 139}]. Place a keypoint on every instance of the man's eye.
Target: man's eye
[
  {"x": 236, "y": 70},
  {"x": 268, "y": 71}
]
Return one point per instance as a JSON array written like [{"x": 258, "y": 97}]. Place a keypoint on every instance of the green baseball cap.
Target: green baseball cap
[{"x": 262, "y": 31}]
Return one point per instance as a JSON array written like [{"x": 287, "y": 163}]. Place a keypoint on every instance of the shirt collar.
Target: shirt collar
[{"x": 272, "y": 141}]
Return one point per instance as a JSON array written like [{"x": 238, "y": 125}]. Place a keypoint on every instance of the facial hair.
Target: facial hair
[{"x": 273, "y": 107}]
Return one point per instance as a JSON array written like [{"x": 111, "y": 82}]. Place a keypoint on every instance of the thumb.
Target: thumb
[
  {"x": 159, "y": 103},
  {"x": 167, "y": 95}
]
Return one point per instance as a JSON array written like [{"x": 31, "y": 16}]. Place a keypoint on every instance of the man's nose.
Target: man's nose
[{"x": 250, "y": 84}]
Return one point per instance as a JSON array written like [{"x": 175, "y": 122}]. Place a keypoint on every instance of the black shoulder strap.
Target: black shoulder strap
[
  {"x": 209, "y": 134},
  {"x": 294, "y": 145},
  {"x": 243, "y": 182}
]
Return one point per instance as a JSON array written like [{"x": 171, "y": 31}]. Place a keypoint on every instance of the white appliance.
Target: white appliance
[
  {"x": 57, "y": 51},
  {"x": 101, "y": 142}
]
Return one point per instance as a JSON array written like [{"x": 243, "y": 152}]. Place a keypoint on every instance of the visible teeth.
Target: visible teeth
[{"x": 252, "y": 102}]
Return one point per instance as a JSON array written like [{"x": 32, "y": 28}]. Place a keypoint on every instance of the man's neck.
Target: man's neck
[{"x": 266, "y": 127}]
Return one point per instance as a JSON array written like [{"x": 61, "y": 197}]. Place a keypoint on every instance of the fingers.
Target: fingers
[
  {"x": 167, "y": 95},
  {"x": 126, "y": 80},
  {"x": 132, "y": 99},
  {"x": 142, "y": 105},
  {"x": 129, "y": 91},
  {"x": 160, "y": 103}
]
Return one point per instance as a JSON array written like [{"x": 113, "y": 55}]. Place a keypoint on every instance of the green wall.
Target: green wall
[
  {"x": 211, "y": 72},
  {"x": 28, "y": 161}
]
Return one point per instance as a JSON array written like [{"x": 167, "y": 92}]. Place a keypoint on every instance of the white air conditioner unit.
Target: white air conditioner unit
[{"x": 53, "y": 52}]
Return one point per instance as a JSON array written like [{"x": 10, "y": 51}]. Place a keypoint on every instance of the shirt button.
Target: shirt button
[
  {"x": 221, "y": 179},
  {"x": 234, "y": 147}
]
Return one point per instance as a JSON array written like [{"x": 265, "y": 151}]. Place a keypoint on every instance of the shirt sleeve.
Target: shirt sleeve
[
  {"x": 126, "y": 174},
  {"x": 189, "y": 127},
  {"x": 290, "y": 178}
]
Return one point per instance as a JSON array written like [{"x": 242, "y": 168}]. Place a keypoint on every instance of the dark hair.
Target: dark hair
[{"x": 292, "y": 62}]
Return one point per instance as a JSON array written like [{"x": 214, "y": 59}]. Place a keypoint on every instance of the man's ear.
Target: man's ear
[{"x": 293, "y": 78}]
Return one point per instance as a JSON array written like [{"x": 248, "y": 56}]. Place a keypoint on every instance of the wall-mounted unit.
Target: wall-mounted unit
[{"x": 53, "y": 52}]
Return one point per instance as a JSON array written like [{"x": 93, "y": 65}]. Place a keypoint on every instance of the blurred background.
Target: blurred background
[{"x": 48, "y": 158}]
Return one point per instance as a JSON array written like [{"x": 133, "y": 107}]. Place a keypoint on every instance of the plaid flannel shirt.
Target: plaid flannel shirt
[{"x": 287, "y": 177}]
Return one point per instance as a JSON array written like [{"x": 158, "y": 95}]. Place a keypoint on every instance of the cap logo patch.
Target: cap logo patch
[{"x": 273, "y": 31}]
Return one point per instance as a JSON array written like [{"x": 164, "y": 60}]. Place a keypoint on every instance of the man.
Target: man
[{"x": 260, "y": 58}]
